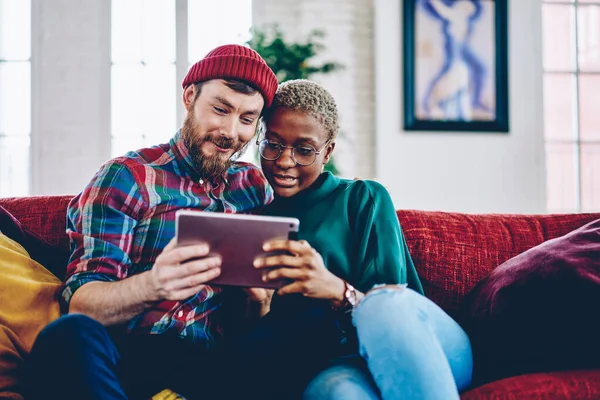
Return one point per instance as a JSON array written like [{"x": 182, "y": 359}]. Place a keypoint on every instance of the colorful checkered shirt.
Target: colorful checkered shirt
[{"x": 123, "y": 219}]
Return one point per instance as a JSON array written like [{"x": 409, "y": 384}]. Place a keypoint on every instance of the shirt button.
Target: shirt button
[{"x": 180, "y": 314}]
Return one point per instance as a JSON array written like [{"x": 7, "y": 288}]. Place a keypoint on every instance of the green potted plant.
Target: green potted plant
[{"x": 292, "y": 60}]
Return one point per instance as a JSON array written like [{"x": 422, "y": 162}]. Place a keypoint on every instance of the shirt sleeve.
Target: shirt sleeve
[
  {"x": 250, "y": 188},
  {"x": 383, "y": 253},
  {"x": 100, "y": 224},
  {"x": 263, "y": 189}
]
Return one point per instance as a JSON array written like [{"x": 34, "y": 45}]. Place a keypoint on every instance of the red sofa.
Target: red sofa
[{"x": 451, "y": 251}]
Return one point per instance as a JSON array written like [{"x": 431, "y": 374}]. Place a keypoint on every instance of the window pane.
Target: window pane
[
  {"x": 558, "y": 33},
  {"x": 590, "y": 177},
  {"x": 126, "y": 99},
  {"x": 159, "y": 100},
  {"x": 143, "y": 105},
  {"x": 559, "y": 106},
  {"x": 561, "y": 177},
  {"x": 14, "y": 166},
  {"x": 126, "y": 142},
  {"x": 15, "y": 98},
  {"x": 158, "y": 38},
  {"x": 15, "y": 29},
  {"x": 588, "y": 46},
  {"x": 589, "y": 99},
  {"x": 126, "y": 30},
  {"x": 212, "y": 23}
]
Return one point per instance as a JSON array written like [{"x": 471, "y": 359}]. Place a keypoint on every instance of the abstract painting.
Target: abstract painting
[{"x": 455, "y": 65}]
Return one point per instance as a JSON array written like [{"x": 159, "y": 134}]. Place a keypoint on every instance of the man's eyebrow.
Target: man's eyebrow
[
  {"x": 253, "y": 113},
  {"x": 227, "y": 104},
  {"x": 223, "y": 101}
]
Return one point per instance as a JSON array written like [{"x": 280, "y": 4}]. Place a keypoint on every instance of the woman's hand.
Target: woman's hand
[
  {"x": 304, "y": 267},
  {"x": 260, "y": 301},
  {"x": 259, "y": 295}
]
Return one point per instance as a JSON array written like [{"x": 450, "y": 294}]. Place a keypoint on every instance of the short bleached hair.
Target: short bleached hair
[{"x": 311, "y": 98}]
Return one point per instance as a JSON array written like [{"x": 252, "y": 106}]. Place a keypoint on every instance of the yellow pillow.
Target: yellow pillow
[{"x": 28, "y": 302}]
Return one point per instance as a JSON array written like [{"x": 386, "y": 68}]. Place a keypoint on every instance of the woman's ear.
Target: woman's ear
[
  {"x": 328, "y": 152},
  {"x": 189, "y": 95}
]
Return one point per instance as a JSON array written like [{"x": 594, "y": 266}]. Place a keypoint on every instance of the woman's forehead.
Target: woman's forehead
[{"x": 285, "y": 123}]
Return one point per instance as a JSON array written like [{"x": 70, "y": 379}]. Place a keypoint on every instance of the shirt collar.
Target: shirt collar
[{"x": 182, "y": 154}]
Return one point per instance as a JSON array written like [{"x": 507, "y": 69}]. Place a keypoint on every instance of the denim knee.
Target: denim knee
[
  {"x": 72, "y": 330},
  {"x": 382, "y": 304},
  {"x": 341, "y": 382}
]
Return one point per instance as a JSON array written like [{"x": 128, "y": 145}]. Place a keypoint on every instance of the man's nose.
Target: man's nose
[
  {"x": 229, "y": 127},
  {"x": 286, "y": 159}
]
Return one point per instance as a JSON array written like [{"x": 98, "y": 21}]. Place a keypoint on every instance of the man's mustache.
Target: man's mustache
[{"x": 222, "y": 142}]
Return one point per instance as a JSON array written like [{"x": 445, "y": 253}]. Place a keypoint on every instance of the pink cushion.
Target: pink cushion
[
  {"x": 454, "y": 251},
  {"x": 538, "y": 311}
]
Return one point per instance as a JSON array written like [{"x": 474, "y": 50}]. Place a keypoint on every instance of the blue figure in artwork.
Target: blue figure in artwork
[{"x": 456, "y": 90}]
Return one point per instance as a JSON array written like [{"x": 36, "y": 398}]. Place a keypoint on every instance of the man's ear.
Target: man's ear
[
  {"x": 260, "y": 127},
  {"x": 328, "y": 152},
  {"x": 189, "y": 95}
]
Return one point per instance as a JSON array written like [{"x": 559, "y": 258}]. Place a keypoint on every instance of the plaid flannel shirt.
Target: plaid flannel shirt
[{"x": 124, "y": 218}]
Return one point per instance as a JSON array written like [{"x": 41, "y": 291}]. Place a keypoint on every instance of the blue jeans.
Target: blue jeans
[
  {"x": 76, "y": 357},
  {"x": 409, "y": 347}
]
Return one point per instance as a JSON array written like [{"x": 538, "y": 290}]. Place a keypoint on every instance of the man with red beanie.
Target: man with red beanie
[{"x": 140, "y": 315}]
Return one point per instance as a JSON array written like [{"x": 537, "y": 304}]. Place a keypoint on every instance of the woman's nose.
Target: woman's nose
[{"x": 286, "y": 159}]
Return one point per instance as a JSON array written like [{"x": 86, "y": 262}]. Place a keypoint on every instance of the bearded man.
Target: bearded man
[{"x": 141, "y": 316}]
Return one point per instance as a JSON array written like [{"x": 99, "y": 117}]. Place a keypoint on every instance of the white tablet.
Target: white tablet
[{"x": 238, "y": 239}]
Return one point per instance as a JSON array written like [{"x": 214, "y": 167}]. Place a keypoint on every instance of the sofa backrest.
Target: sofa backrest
[
  {"x": 451, "y": 251},
  {"x": 454, "y": 251},
  {"x": 44, "y": 216}
]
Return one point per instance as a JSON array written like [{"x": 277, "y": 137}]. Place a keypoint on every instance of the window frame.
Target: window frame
[{"x": 574, "y": 73}]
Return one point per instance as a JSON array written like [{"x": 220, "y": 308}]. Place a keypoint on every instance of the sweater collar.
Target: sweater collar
[{"x": 325, "y": 184}]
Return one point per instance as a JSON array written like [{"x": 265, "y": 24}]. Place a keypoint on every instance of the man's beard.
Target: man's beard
[{"x": 211, "y": 167}]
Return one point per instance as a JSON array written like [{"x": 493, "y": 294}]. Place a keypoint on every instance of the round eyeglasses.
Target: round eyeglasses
[{"x": 302, "y": 154}]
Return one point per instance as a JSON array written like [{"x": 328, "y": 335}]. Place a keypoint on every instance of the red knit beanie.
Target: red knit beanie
[{"x": 235, "y": 62}]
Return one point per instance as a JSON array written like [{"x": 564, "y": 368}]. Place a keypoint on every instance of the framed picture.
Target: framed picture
[{"x": 455, "y": 65}]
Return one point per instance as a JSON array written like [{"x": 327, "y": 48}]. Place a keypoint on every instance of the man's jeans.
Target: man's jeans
[
  {"x": 410, "y": 348},
  {"x": 76, "y": 357}
]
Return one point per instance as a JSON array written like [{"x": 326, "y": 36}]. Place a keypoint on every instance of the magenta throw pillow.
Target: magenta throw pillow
[{"x": 539, "y": 311}]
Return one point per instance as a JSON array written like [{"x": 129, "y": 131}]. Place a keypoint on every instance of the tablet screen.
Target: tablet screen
[{"x": 238, "y": 239}]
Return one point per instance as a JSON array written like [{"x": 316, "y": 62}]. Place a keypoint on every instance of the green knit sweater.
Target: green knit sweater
[{"x": 353, "y": 225}]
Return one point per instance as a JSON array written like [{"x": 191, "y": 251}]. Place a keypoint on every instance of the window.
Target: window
[
  {"x": 571, "y": 60},
  {"x": 213, "y": 23},
  {"x": 143, "y": 85},
  {"x": 15, "y": 96},
  {"x": 151, "y": 54},
  {"x": 222, "y": 27}
]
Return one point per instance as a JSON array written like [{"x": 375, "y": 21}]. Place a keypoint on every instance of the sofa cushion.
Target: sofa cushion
[
  {"x": 538, "y": 311},
  {"x": 454, "y": 251},
  {"x": 26, "y": 219},
  {"x": 568, "y": 385},
  {"x": 29, "y": 299}
]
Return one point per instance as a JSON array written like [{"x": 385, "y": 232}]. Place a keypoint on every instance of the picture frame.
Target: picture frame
[{"x": 455, "y": 65}]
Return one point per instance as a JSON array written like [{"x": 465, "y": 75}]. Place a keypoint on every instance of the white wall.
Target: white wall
[
  {"x": 70, "y": 93},
  {"x": 348, "y": 25},
  {"x": 442, "y": 171},
  {"x": 468, "y": 172}
]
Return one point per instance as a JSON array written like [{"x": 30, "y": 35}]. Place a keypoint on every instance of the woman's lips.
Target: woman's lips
[{"x": 284, "y": 180}]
